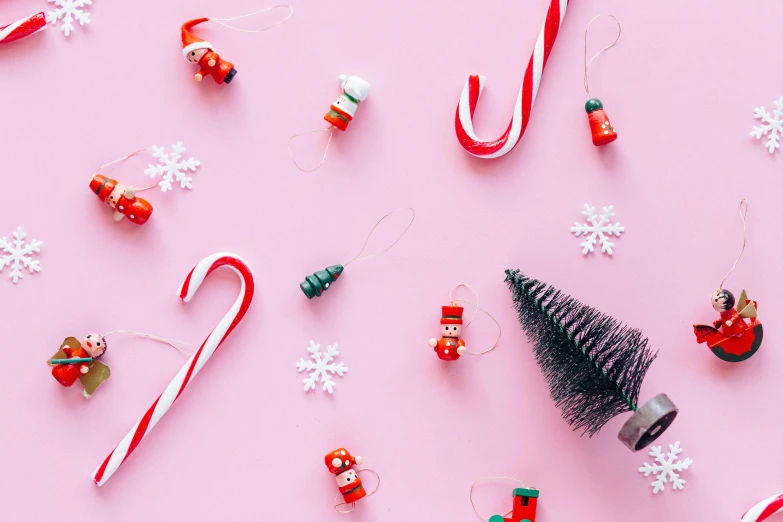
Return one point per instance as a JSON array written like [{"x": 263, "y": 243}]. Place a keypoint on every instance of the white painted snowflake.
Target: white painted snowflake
[
  {"x": 172, "y": 167},
  {"x": 597, "y": 230},
  {"x": 771, "y": 124},
  {"x": 666, "y": 468},
  {"x": 70, "y": 11},
  {"x": 321, "y": 366},
  {"x": 18, "y": 255}
]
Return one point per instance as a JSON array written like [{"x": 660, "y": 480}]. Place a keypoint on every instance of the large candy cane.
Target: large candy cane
[
  {"x": 764, "y": 509},
  {"x": 196, "y": 361},
  {"x": 21, "y": 28},
  {"x": 527, "y": 93}
]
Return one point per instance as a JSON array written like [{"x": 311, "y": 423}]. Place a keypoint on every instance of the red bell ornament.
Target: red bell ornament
[
  {"x": 601, "y": 128},
  {"x": 525, "y": 500}
]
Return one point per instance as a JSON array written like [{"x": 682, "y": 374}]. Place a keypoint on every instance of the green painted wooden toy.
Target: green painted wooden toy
[{"x": 316, "y": 284}]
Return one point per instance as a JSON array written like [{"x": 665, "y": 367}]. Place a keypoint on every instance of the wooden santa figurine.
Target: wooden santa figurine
[
  {"x": 202, "y": 53},
  {"x": 122, "y": 199},
  {"x": 450, "y": 346},
  {"x": 340, "y": 463}
]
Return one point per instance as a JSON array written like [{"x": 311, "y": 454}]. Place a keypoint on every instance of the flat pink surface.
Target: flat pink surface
[{"x": 244, "y": 442}]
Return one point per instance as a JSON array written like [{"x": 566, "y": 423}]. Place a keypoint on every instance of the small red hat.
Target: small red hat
[
  {"x": 340, "y": 460},
  {"x": 452, "y": 315},
  {"x": 102, "y": 186},
  {"x": 191, "y": 42}
]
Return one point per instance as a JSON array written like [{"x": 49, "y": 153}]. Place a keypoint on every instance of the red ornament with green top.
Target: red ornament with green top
[
  {"x": 524, "y": 510},
  {"x": 600, "y": 127}
]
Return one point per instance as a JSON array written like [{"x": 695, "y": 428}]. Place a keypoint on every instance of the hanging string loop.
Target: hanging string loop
[
  {"x": 587, "y": 63},
  {"x": 171, "y": 342},
  {"x": 359, "y": 257},
  {"x": 222, "y": 21},
  {"x": 743, "y": 210},
  {"x": 97, "y": 171},
  {"x": 326, "y": 150}
]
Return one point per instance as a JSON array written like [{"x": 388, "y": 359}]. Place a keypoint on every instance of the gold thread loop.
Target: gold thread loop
[
  {"x": 326, "y": 150},
  {"x": 222, "y": 21},
  {"x": 587, "y": 64},
  {"x": 171, "y": 342},
  {"x": 123, "y": 159},
  {"x": 743, "y": 216},
  {"x": 366, "y": 241}
]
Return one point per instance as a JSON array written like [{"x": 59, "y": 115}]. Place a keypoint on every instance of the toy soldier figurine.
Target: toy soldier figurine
[{"x": 450, "y": 346}]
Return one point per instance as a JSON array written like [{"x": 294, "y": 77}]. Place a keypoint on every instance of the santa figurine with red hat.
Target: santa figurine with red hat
[
  {"x": 450, "y": 346},
  {"x": 122, "y": 199},
  {"x": 340, "y": 463},
  {"x": 200, "y": 52}
]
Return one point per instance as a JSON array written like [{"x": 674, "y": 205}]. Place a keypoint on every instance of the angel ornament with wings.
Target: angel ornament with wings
[
  {"x": 79, "y": 360},
  {"x": 737, "y": 335}
]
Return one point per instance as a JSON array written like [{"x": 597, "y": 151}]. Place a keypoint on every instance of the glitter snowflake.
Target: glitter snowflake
[
  {"x": 666, "y": 467},
  {"x": 597, "y": 229},
  {"x": 18, "y": 255},
  {"x": 70, "y": 11},
  {"x": 172, "y": 167},
  {"x": 772, "y": 124},
  {"x": 321, "y": 366}
]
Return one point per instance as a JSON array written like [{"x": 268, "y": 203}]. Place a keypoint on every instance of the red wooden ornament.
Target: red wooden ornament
[
  {"x": 731, "y": 338},
  {"x": 340, "y": 463},
  {"x": 202, "y": 53},
  {"x": 525, "y": 501},
  {"x": 601, "y": 129},
  {"x": 450, "y": 346},
  {"x": 122, "y": 199}
]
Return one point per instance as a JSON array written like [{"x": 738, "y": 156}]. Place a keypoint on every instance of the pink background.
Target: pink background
[{"x": 244, "y": 442}]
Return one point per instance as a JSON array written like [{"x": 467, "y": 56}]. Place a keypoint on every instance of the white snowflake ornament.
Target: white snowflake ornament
[
  {"x": 666, "y": 468},
  {"x": 597, "y": 230},
  {"x": 70, "y": 11},
  {"x": 19, "y": 255},
  {"x": 172, "y": 167},
  {"x": 321, "y": 366},
  {"x": 771, "y": 124}
]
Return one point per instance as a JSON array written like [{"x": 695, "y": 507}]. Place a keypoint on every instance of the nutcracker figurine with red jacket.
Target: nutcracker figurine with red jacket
[
  {"x": 340, "y": 463},
  {"x": 450, "y": 346},
  {"x": 122, "y": 199},
  {"x": 200, "y": 52}
]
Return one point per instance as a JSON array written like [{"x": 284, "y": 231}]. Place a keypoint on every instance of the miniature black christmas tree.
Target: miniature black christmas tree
[{"x": 594, "y": 364}]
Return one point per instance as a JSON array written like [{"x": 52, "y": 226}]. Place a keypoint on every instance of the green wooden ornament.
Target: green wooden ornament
[
  {"x": 496, "y": 518},
  {"x": 314, "y": 285},
  {"x": 593, "y": 104}
]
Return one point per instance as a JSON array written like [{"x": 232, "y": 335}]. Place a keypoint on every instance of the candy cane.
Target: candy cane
[
  {"x": 527, "y": 93},
  {"x": 194, "y": 364},
  {"x": 24, "y": 27},
  {"x": 764, "y": 509}
]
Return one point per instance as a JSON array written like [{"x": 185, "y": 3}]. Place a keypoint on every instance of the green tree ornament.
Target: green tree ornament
[{"x": 314, "y": 285}]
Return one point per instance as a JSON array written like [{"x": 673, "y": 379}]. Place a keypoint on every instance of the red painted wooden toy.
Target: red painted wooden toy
[
  {"x": 740, "y": 331},
  {"x": 202, "y": 53},
  {"x": 78, "y": 360},
  {"x": 342, "y": 111},
  {"x": 524, "y": 507},
  {"x": 122, "y": 199},
  {"x": 600, "y": 127},
  {"x": 450, "y": 346},
  {"x": 340, "y": 463}
]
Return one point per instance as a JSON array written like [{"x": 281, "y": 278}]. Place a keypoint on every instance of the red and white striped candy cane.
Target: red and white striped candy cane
[
  {"x": 527, "y": 93},
  {"x": 196, "y": 361},
  {"x": 21, "y": 28},
  {"x": 764, "y": 509}
]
